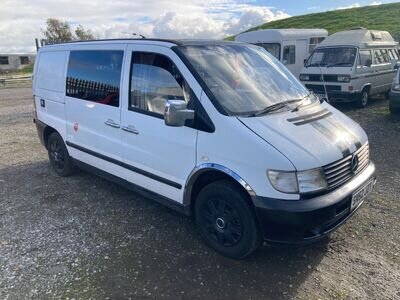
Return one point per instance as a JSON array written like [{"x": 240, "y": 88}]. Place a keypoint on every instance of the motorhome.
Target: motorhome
[
  {"x": 218, "y": 130},
  {"x": 291, "y": 46},
  {"x": 351, "y": 66}
]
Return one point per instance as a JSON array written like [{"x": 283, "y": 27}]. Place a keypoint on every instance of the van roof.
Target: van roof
[
  {"x": 278, "y": 35},
  {"x": 359, "y": 37},
  {"x": 163, "y": 42}
]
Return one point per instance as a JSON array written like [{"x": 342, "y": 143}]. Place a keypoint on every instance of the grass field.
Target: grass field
[{"x": 379, "y": 17}]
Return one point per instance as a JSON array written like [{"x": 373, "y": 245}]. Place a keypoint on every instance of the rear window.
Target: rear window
[{"x": 95, "y": 76}]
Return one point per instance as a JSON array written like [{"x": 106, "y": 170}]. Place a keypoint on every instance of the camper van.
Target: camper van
[
  {"x": 291, "y": 46},
  {"x": 218, "y": 130},
  {"x": 352, "y": 66}
]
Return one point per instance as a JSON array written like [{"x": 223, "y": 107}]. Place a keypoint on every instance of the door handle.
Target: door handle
[
  {"x": 111, "y": 123},
  {"x": 130, "y": 129}
]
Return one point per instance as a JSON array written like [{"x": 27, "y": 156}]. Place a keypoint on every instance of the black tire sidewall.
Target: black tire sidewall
[
  {"x": 68, "y": 166},
  {"x": 227, "y": 191}
]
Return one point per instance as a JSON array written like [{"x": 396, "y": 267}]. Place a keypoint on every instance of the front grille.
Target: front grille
[
  {"x": 318, "y": 88},
  {"x": 341, "y": 171}
]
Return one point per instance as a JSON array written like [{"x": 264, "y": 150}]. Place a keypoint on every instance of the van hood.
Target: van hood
[{"x": 312, "y": 137}]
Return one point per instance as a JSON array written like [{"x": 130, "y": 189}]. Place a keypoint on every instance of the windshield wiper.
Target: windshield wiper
[
  {"x": 301, "y": 103},
  {"x": 273, "y": 107}
]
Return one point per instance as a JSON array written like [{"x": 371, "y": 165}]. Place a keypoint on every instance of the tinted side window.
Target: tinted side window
[
  {"x": 95, "y": 76},
  {"x": 289, "y": 55},
  {"x": 154, "y": 80},
  {"x": 381, "y": 56},
  {"x": 364, "y": 57}
]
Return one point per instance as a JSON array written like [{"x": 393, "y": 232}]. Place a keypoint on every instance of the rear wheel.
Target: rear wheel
[
  {"x": 59, "y": 158},
  {"x": 363, "y": 101},
  {"x": 226, "y": 220}
]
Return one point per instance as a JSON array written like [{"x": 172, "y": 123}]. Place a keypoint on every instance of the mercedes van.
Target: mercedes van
[
  {"x": 351, "y": 66},
  {"x": 291, "y": 46},
  {"x": 218, "y": 130}
]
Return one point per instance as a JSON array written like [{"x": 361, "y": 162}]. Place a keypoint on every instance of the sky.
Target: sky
[{"x": 21, "y": 21}]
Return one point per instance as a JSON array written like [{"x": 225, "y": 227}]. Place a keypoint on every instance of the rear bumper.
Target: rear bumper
[
  {"x": 395, "y": 99},
  {"x": 302, "y": 221}
]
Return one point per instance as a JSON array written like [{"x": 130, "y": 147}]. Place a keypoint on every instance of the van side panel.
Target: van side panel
[{"x": 49, "y": 89}]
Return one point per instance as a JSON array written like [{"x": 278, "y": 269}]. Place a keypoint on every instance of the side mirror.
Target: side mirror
[
  {"x": 304, "y": 61},
  {"x": 396, "y": 66},
  {"x": 176, "y": 113},
  {"x": 368, "y": 63}
]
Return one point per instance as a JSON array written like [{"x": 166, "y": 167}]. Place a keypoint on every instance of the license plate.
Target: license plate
[{"x": 359, "y": 196}]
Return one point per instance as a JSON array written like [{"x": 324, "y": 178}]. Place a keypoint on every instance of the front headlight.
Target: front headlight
[
  {"x": 304, "y": 77},
  {"x": 311, "y": 180},
  {"x": 343, "y": 78},
  {"x": 285, "y": 182},
  {"x": 298, "y": 182}
]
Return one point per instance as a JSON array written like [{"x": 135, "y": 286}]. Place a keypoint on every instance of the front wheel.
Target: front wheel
[
  {"x": 226, "y": 220},
  {"x": 59, "y": 158},
  {"x": 363, "y": 101}
]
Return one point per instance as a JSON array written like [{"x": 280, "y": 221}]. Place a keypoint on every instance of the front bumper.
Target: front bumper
[
  {"x": 302, "y": 221},
  {"x": 335, "y": 93}
]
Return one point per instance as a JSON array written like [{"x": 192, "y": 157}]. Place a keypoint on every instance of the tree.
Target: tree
[
  {"x": 83, "y": 34},
  {"x": 58, "y": 31}
]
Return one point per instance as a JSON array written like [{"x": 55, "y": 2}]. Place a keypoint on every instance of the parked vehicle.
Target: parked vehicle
[
  {"x": 290, "y": 46},
  {"x": 218, "y": 130},
  {"x": 351, "y": 66},
  {"x": 394, "y": 103}
]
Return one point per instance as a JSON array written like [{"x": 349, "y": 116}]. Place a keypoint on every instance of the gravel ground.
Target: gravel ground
[{"x": 84, "y": 238}]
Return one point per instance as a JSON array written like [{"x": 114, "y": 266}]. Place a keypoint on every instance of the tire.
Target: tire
[
  {"x": 363, "y": 100},
  {"x": 226, "y": 221},
  {"x": 59, "y": 158}
]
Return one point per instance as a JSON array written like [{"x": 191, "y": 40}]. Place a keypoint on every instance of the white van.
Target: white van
[
  {"x": 218, "y": 130},
  {"x": 291, "y": 46},
  {"x": 352, "y": 66}
]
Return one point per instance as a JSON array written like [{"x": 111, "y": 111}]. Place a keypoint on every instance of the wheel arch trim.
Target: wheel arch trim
[{"x": 206, "y": 167}]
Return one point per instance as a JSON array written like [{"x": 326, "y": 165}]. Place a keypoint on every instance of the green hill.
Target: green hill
[{"x": 379, "y": 17}]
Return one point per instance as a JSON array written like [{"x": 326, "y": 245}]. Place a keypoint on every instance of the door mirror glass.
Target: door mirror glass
[
  {"x": 368, "y": 62},
  {"x": 176, "y": 113}
]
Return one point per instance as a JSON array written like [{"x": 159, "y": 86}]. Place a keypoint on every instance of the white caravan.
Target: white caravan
[
  {"x": 291, "y": 46},
  {"x": 218, "y": 130},
  {"x": 351, "y": 66}
]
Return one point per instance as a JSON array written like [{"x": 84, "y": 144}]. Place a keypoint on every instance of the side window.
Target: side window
[
  {"x": 154, "y": 80},
  {"x": 289, "y": 55},
  {"x": 95, "y": 76},
  {"x": 364, "y": 58},
  {"x": 381, "y": 56}
]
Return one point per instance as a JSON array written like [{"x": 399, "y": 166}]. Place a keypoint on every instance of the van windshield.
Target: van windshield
[
  {"x": 332, "y": 57},
  {"x": 244, "y": 79}
]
